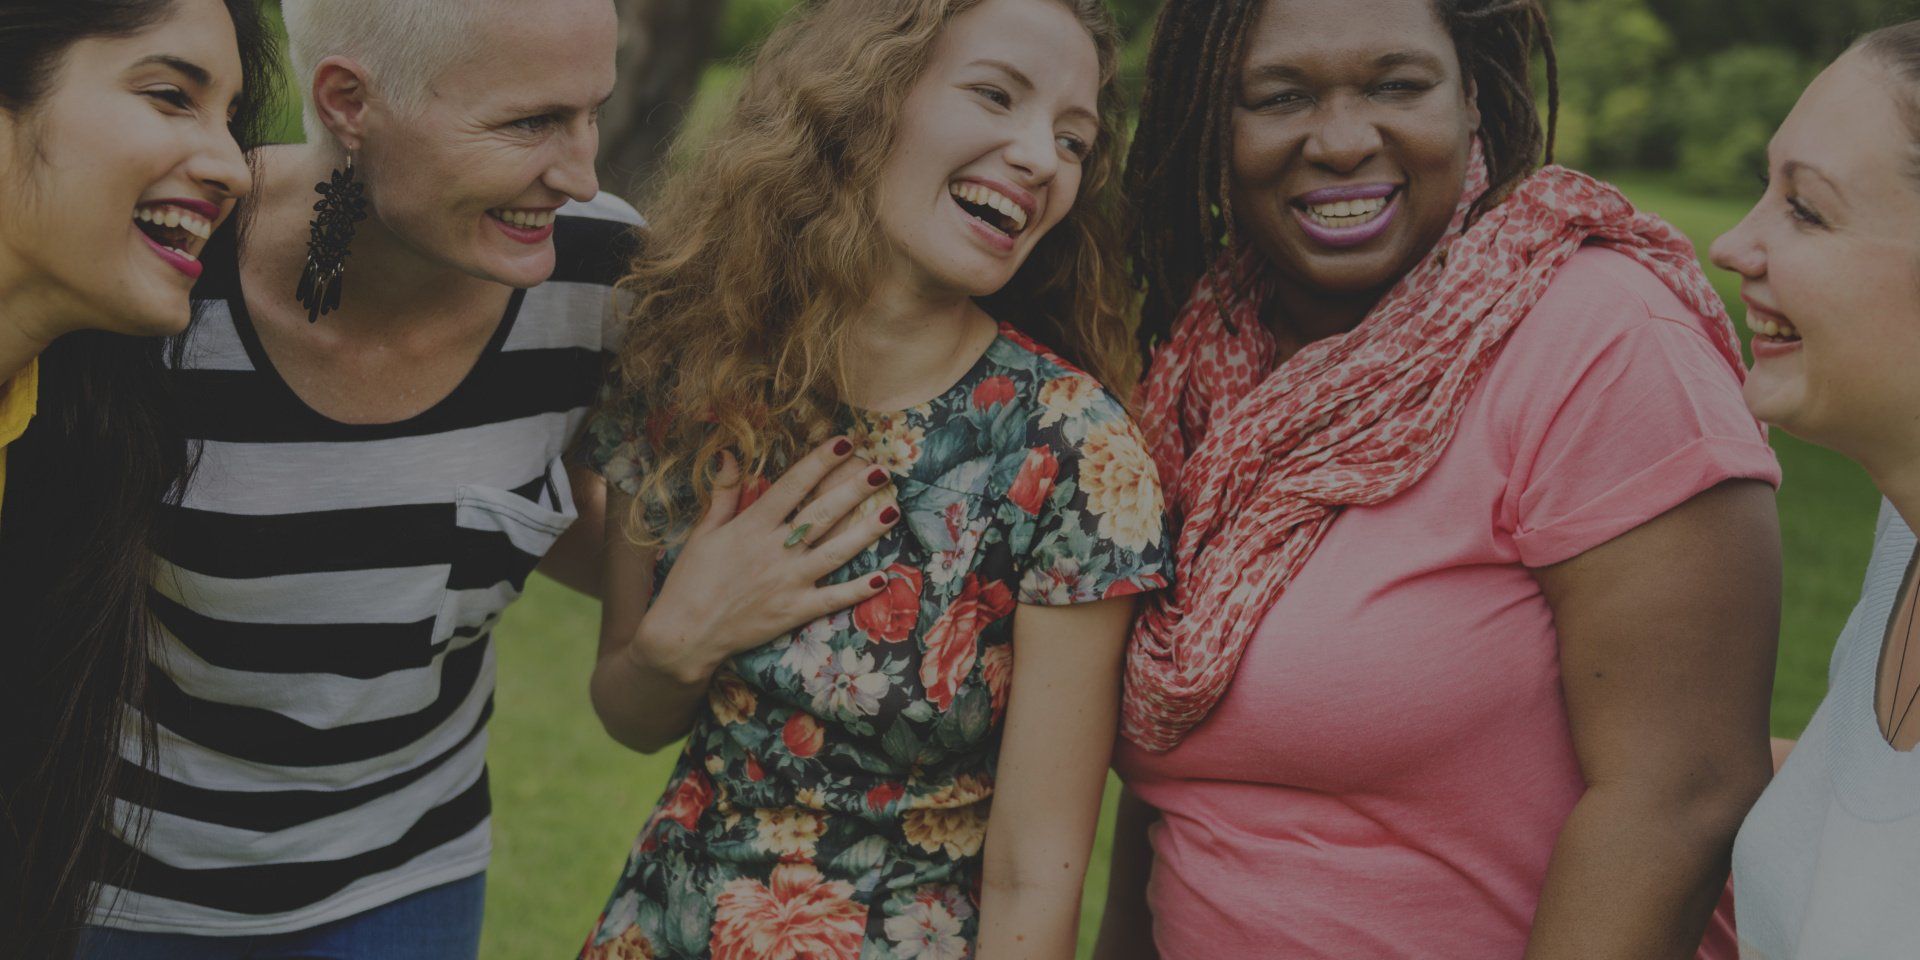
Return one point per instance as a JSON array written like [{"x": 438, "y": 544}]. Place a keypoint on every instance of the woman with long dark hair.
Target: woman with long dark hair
[
  {"x": 1476, "y": 585},
  {"x": 122, "y": 130}
]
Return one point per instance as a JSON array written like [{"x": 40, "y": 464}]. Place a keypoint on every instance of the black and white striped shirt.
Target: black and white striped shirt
[{"x": 327, "y": 594}]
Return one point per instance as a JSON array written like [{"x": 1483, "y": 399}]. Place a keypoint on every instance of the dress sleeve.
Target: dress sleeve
[
  {"x": 1652, "y": 418},
  {"x": 1100, "y": 522}
]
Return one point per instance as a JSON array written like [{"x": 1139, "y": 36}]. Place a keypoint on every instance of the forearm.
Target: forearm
[
  {"x": 1126, "y": 925},
  {"x": 644, "y": 705},
  {"x": 1030, "y": 912},
  {"x": 1636, "y": 873}
]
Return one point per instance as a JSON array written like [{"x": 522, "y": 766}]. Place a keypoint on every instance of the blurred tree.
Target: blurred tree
[
  {"x": 1817, "y": 29},
  {"x": 1610, "y": 52},
  {"x": 664, "y": 48}
]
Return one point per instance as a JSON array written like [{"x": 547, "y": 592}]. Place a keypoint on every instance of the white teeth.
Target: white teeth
[
  {"x": 1347, "y": 213},
  {"x": 982, "y": 196},
  {"x": 524, "y": 219},
  {"x": 1770, "y": 328},
  {"x": 174, "y": 217}
]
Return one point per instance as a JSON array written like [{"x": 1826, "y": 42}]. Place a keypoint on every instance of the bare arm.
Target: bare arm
[
  {"x": 1667, "y": 638},
  {"x": 1054, "y": 754},
  {"x": 744, "y": 577},
  {"x": 574, "y": 560}
]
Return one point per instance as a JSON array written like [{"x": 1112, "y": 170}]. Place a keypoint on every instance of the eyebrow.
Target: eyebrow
[
  {"x": 555, "y": 108},
  {"x": 1795, "y": 168},
  {"x": 194, "y": 72},
  {"x": 1025, "y": 83},
  {"x": 1386, "y": 61}
]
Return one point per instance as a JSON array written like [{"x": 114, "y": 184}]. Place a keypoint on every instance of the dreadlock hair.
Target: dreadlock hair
[{"x": 1179, "y": 177}]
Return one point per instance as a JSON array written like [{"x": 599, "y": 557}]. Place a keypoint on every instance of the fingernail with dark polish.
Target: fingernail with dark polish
[
  {"x": 889, "y": 515},
  {"x": 842, "y": 447},
  {"x": 877, "y": 477},
  {"x": 877, "y": 581}
]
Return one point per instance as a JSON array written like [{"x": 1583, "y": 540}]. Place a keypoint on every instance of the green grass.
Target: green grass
[{"x": 568, "y": 800}]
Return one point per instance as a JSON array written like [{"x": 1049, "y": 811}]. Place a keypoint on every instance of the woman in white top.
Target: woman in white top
[{"x": 1828, "y": 863}]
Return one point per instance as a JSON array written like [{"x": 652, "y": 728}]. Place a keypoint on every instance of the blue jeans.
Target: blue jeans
[{"x": 438, "y": 924}]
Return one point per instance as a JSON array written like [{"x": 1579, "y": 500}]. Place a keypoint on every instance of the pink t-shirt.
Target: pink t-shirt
[{"x": 1388, "y": 772}]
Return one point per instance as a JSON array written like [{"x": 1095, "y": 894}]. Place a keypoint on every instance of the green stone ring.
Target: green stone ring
[{"x": 799, "y": 534}]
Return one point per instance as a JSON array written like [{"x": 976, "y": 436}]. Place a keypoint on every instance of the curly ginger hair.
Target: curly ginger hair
[{"x": 760, "y": 252}]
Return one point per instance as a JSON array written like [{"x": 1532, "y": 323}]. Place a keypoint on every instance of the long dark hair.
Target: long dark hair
[
  {"x": 84, "y": 486},
  {"x": 1178, "y": 176}
]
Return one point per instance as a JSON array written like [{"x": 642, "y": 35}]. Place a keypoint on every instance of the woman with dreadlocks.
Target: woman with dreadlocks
[{"x": 1477, "y": 571}]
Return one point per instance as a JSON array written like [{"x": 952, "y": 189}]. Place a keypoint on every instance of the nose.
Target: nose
[
  {"x": 1344, "y": 138},
  {"x": 220, "y": 165},
  {"x": 1740, "y": 250},
  {"x": 1033, "y": 152},
  {"x": 572, "y": 173}
]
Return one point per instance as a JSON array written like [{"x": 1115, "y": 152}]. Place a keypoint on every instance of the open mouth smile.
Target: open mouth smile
[
  {"x": 1773, "y": 335},
  {"x": 1000, "y": 212},
  {"x": 1347, "y": 216},
  {"x": 177, "y": 230},
  {"x": 527, "y": 226}
]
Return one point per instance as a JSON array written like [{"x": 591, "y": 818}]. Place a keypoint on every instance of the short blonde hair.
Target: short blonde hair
[{"x": 403, "y": 44}]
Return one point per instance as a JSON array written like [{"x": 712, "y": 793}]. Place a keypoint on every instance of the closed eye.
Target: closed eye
[
  {"x": 533, "y": 124},
  {"x": 998, "y": 96},
  {"x": 172, "y": 96},
  {"x": 1281, "y": 100},
  {"x": 1803, "y": 213}
]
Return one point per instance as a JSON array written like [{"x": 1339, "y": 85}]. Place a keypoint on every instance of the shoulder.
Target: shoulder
[
  {"x": 1062, "y": 399},
  {"x": 1599, "y": 294},
  {"x": 595, "y": 241},
  {"x": 1601, "y": 309}
]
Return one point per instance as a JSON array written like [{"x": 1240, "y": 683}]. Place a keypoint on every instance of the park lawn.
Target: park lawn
[{"x": 568, "y": 800}]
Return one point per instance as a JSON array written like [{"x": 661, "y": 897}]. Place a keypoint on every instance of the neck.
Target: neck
[
  {"x": 1300, "y": 317},
  {"x": 1898, "y": 479},
  {"x": 387, "y": 281},
  {"x": 30, "y": 319},
  {"x": 907, "y": 339}
]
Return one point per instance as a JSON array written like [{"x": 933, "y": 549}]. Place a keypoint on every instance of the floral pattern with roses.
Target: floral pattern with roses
[{"x": 833, "y": 797}]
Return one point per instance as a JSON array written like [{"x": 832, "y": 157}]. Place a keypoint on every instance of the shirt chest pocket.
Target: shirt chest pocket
[{"x": 499, "y": 537}]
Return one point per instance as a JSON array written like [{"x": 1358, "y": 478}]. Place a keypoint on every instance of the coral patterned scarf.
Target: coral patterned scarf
[{"x": 1257, "y": 461}]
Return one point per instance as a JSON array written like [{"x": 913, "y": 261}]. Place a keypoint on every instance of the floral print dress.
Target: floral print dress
[{"x": 832, "y": 799}]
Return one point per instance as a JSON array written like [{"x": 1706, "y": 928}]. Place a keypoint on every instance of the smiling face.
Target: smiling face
[
  {"x": 1829, "y": 261},
  {"x": 472, "y": 179},
  {"x": 119, "y": 174},
  {"x": 988, "y": 155},
  {"x": 1352, "y": 129}
]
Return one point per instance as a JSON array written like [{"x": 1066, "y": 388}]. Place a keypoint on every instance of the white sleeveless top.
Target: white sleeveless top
[{"x": 1827, "y": 866}]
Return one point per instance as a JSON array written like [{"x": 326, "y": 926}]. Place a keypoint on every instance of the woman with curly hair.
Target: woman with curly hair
[
  {"x": 892, "y": 280},
  {"x": 1477, "y": 572}
]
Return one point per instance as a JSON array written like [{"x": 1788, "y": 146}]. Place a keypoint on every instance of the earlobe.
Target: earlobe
[{"x": 340, "y": 99}]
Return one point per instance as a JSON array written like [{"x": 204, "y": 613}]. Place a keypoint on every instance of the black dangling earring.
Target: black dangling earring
[{"x": 342, "y": 204}]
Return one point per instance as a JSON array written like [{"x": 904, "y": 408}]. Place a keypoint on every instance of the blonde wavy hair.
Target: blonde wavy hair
[{"x": 761, "y": 250}]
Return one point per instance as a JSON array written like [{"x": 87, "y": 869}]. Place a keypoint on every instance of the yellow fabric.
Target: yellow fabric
[{"x": 19, "y": 398}]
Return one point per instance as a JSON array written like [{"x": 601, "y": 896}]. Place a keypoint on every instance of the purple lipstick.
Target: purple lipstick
[{"x": 1364, "y": 231}]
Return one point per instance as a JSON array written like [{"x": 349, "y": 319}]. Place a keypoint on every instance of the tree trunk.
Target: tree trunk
[{"x": 664, "y": 46}]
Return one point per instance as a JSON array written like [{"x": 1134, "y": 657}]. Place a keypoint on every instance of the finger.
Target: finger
[
  {"x": 726, "y": 496},
  {"x": 836, "y": 502},
  {"x": 836, "y": 597},
  {"x": 847, "y": 544},
  {"x": 851, "y": 470},
  {"x": 787, "y": 493}
]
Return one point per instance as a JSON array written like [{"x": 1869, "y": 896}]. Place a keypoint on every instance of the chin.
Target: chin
[
  {"x": 1776, "y": 401},
  {"x": 521, "y": 272}
]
